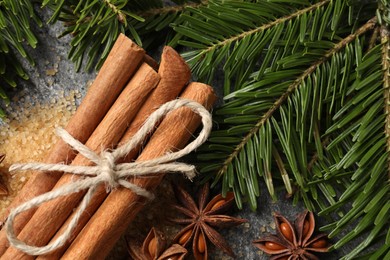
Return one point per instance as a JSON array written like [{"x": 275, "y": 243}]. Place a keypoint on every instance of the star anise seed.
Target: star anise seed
[
  {"x": 200, "y": 220},
  {"x": 294, "y": 241},
  {"x": 153, "y": 247}
]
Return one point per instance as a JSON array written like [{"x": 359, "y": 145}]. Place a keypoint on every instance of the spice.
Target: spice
[
  {"x": 185, "y": 237},
  {"x": 294, "y": 241},
  {"x": 120, "y": 65},
  {"x": 51, "y": 215},
  {"x": 174, "y": 74},
  {"x": 153, "y": 248},
  {"x": 201, "y": 220},
  {"x": 122, "y": 205}
]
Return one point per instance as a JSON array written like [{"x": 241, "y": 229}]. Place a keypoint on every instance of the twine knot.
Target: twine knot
[
  {"x": 106, "y": 171},
  {"x": 107, "y": 166}
]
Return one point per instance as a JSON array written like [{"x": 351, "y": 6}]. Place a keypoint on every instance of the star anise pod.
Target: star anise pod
[
  {"x": 200, "y": 220},
  {"x": 3, "y": 187},
  {"x": 153, "y": 247},
  {"x": 294, "y": 241}
]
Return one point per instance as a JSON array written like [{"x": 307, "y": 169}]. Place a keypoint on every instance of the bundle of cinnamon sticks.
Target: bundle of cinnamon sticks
[{"x": 125, "y": 92}]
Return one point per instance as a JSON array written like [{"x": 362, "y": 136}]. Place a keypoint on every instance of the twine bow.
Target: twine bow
[{"x": 107, "y": 171}]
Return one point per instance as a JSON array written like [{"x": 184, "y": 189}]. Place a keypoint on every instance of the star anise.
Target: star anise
[
  {"x": 294, "y": 241},
  {"x": 200, "y": 220},
  {"x": 153, "y": 248},
  {"x": 3, "y": 187}
]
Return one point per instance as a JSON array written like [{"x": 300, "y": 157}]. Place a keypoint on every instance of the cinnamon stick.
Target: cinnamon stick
[
  {"x": 122, "y": 205},
  {"x": 50, "y": 216},
  {"x": 116, "y": 71},
  {"x": 175, "y": 74}
]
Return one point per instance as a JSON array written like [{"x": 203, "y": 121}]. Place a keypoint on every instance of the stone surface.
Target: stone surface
[{"x": 54, "y": 75}]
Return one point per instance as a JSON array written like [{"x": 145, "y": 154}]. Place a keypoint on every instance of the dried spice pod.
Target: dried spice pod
[
  {"x": 154, "y": 244},
  {"x": 201, "y": 219},
  {"x": 273, "y": 245},
  {"x": 306, "y": 219},
  {"x": 285, "y": 229},
  {"x": 150, "y": 248},
  {"x": 153, "y": 247},
  {"x": 199, "y": 246},
  {"x": 294, "y": 241},
  {"x": 185, "y": 235},
  {"x": 174, "y": 252}
]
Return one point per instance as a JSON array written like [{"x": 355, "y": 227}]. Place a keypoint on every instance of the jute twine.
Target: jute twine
[{"x": 106, "y": 171}]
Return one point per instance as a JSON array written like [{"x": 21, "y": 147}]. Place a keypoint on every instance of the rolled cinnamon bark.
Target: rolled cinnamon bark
[
  {"x": 122, "y": 205},
  {"x": 175, "y": 74},
  {"x": 116, "y": 71},
  {"x": 51, "y": 215}
]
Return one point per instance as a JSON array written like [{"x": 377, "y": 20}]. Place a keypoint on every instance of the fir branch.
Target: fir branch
[
  {"x": 264, "y": 27},
  {"x": 385, "y": 39},
  {"x": 94, "y": 26},
  {"x": 339, "y": 96},
  {"x": 16, "y": 37},
  {"x": 116, "y": 10},
  {"x": 235, "y": 35},
  {"x": 286, "y": 59},
  {"x": 171, "y": 9},
  {"x": 266, "y": 116},
  {"x": 156, "y": 28}
]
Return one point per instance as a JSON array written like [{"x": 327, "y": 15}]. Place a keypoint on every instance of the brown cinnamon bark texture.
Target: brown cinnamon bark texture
[
  {"x": 175, "y": 74},
  {"x": 116, "y": 71},
  {"x": 50, "y": 216},
  {"x": 122, "y": 205}
]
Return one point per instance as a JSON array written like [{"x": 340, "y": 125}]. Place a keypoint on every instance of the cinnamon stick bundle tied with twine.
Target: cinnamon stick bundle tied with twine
[
  {"x": 112, "y": 218},
  {"x": 105, "y": 136},
  {"x": 174, "y": 75},
  {"x": 120, "y": 65},
  {"x": 107, "y": 172}
]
